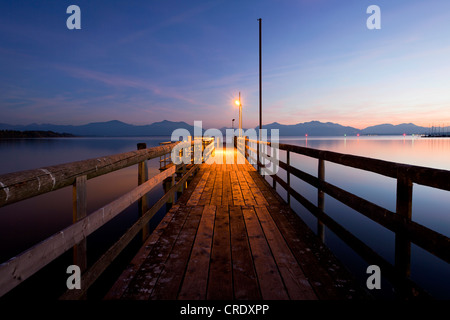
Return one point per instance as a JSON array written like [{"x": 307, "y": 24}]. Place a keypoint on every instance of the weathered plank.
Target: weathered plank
[
  {"x": 244, "y": 275},
  {"x": 238, "y": 199},
  {"x": 227, "y": 195},
  {"x": 216, "y": 197},
  {"x": 198, "y": 191},
  {"x": 220, "y": 284},
  {"x": 270, "y": 280},
  {"x": 256, "y": 192},
  {"x": 294, "y": 279},
  {"x": 171, "y": 277},
  {"x": 196, "y": 277},
  {"x": 205, "y": 199},
  {"x": 246, "y": 193},
  {"x": 264, "y": 187},
  {"x": 144, "y": 280},
  {"x": 127, "y": 275}
]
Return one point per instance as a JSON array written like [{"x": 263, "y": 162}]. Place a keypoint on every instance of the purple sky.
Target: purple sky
[{"x": 147, "y": 61}]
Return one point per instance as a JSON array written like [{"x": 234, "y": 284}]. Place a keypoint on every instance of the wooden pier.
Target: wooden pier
[{"x": 230, "y": 236}]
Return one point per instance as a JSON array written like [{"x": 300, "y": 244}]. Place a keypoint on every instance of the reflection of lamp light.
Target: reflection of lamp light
[{"x": 238, "y": 103}]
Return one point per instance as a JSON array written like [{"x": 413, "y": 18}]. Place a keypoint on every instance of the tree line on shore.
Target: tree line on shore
[{"x": 14, "y": 134}]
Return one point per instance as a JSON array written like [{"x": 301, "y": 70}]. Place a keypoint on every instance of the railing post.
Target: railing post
[
  {"x": 258, "y": 152},
  {"x": 181, "y": 170},
  {"x": 142, "y": 202},
  {"x": 245, "y": 148},
  {"x": 274, "y": 182},
  {"x": 403, "y": 208},
  {"x": 79, "y": 212},
  {"x": 288, "y": 177},
  {"x": 168, "y": 184},
  {"x": 321, "y": 199}
]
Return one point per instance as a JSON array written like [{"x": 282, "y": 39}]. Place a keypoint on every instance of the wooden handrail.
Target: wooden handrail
[
  {"x": 19, "y": 268},
  {"x": 436, "y": 178},
  {"x": 428, "y": 239},
  {"x": 431, "y": 177},
  {"x": 18, "y": 186},
  {"x": 400, "y": 221}
]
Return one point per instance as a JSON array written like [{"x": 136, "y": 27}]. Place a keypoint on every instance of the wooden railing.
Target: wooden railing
[
  {"x": 400, "y": 222},
  {"x": 18, "y": 186}
]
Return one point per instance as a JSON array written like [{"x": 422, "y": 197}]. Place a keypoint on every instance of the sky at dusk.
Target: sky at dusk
[{"x": 145, "y": 61}]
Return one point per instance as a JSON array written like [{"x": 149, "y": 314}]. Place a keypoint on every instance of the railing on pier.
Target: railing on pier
[
  {"x": 400, "y": 222},
  {"x": 18, "y": 186}
]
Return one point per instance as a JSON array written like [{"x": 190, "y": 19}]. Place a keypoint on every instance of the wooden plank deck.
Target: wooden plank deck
[{"x": 230, "y": 236}]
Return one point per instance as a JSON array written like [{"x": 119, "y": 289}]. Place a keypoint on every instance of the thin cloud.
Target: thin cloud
[{"x": 118, "y": 81}]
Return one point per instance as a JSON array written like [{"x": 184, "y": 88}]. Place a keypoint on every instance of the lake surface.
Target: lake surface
[{"x": 24, "y": 224}]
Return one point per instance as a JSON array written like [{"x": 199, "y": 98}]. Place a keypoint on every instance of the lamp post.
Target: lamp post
[
  {"x": 238, "y": 103},
  {"x": 260, "y": 97},
  {"x": 232, "y": 124}
]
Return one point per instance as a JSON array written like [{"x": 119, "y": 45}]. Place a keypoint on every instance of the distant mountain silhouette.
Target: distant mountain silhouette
[
  {"x": 12, "y": 134},
  {"x": 312, "y": 128},
  {"x": 117, "y": 128},
  {"x": 112, "y": 128},
  {"x": 408, "y": 128},
  {"x": 317, "y": 128}
]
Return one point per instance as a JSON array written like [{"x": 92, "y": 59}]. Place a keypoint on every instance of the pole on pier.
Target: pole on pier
[
  {"x": 239, "y": 104},
  {"x": 260, "y": 97}
]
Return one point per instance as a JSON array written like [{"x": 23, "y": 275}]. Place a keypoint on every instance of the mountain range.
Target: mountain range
[
  {"x": 316, "y": 128},
  {"x": 117, "y": 128}
]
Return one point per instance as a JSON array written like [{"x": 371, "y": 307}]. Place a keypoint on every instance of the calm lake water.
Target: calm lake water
[{"x": 28, "y": 222}]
